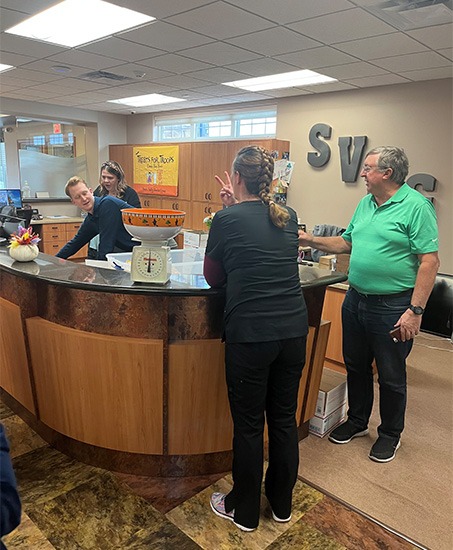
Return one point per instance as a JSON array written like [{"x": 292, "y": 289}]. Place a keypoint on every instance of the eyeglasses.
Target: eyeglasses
[{"x": 366, "y": 168}]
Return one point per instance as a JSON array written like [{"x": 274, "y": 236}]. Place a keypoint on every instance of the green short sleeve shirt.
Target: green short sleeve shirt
[{"x": 386, "y": 240}]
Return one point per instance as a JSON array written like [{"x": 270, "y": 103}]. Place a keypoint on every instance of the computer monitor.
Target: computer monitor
[{"x": 11, "y": 197}]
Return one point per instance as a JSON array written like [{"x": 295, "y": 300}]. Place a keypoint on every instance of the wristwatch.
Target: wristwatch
[{"x": 418, "y": 310}]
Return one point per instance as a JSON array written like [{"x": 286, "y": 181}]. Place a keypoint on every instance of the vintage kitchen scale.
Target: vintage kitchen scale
[{"x": 151, "y": 261}]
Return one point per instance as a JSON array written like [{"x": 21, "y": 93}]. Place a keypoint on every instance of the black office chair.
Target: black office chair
[
  {"x": 438, "y": 316},
  {"x": 9, "y": 222}
]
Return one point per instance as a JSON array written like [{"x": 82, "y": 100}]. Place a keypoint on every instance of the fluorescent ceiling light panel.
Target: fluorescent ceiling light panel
[
  {"x": 282, "y": 80},
  {"x": 146, "y": 100},
  {"x": 4, "y": 67},
  {"x": 74, "y": 22}
]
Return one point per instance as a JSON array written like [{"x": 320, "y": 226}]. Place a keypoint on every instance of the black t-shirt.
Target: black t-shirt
[{"x": 264, "y": 300}]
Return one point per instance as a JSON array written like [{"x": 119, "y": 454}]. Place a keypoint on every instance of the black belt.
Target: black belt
[{"x": 407, "y": 292}]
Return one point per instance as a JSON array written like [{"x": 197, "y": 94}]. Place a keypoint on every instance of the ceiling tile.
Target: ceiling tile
[
  {"x": 14, "y": 59},
  {"x": 9, "y": 18},
  {"x": 287, "y": 92},
  {"x": 440, "y": 36},
  {"x": 218, "y": 75},
  {"x": 287, "y": 11},
  {"x": 448, "y": 52},
  {"x": 210, "y": 20},
  {"x": 45, "y": 66},
  {"x": 381, "y": 46},
  {"x": 381, "y": 80},
  {"x": 134, "y": 70},
  {"x": 353, "y": 70},
  {"x": 181, "y": 81},
  {"x": 325, "y": 56},
  {"x": 262, "y": 67},
  {"x": 121, "y": 49},
  {"x": 24, "y": 46},
  {"x": 83, "y": 59},
  {"x": 174, "y": 63},
  {"x": 163, "y": 36},
  {"x": 218, "y": 90},
  {"x": 429, "y": 74},
  {"x": 414, "y": 61},
  {"x": 219, "y": 52},
  {"x": 330, "y": 87},
  {"x": 28, "y": 6},
  {"x": 342, "y": 26},
  {"x": 275, "y": 41}
]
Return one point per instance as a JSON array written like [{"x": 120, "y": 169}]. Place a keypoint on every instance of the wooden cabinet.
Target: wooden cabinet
[
  {"x": 332, "y": 312},
  {"x": 200, "y": 210},
  {"x": 55, "y": 236},
  {"x": 199, "y": 162}
]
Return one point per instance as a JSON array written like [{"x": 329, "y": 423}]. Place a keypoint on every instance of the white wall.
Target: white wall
[{"x": 416, "y": 116}]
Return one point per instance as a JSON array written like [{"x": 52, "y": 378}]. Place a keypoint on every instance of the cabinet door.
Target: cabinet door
[
  {"x": 199, "y": 212},
  {"x": 332, "y": 312},
  {"x": 178, "y": 204},
  {"x": 208, "y": 160},
  {"x": 150, "y": 201}
]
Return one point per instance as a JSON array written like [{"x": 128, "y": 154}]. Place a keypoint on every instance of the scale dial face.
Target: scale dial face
[{"x": 149, "y": 264}]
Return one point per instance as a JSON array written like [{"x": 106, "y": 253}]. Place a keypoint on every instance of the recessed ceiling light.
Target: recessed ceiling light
[
  {"x": 74, "y": 22},
  {"x": 146, "y": 100},
  {"x": 4, "y": 67},
  {"x": 282, "y": 80}
]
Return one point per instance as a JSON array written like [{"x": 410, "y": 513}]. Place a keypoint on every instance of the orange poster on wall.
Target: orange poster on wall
[{"x": 156, "y": 170}]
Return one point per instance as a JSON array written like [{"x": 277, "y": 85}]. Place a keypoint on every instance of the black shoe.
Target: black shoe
[
  {"x": 384, "y": 449},
  {"x": 345, "y": 432}
]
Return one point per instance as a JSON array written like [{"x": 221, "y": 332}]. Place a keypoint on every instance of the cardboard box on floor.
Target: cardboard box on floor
[
  {"x": 321, "y": 426},
  {"x": 332, "y": 392}
]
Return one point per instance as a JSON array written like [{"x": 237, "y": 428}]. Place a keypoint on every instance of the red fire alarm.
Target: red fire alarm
[{"x": 57, "y": 128}]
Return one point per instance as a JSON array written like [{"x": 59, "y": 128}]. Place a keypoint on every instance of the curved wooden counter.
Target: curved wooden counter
[{"x": 128, "y": 376}]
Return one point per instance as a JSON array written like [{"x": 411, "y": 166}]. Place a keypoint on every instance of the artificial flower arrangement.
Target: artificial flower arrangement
[
  {"x": 24, "y": 236},
  {"x": 208, "y": 221},
  {"x": 23, "y": 245}
]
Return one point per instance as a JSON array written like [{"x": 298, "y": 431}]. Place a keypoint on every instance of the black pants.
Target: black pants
[
  {"x": 263, "y": 379},
  {"x": 367, "y": 321}
]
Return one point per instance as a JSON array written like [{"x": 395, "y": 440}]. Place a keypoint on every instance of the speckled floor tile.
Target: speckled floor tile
[
  {"x": 44, "y": 474},
  {"x": 197, "y": 520},
  {"x": 165, "y": 537},
  {"x": 27, "y": 537},
  {"x": 305, "y": 537},
  {"x": 98, "y": 515},
  {"x": 167, "y": 493},
  {"x": 22, "y": 438},
  {"x": 5, "y": 411},
  {"x": 352, "y": 529}
]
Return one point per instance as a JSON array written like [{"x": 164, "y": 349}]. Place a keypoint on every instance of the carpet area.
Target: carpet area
[{"x": 413, "y": 493}]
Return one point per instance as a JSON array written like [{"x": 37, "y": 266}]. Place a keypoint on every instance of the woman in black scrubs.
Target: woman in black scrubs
[{"x": 252, "y": 249}]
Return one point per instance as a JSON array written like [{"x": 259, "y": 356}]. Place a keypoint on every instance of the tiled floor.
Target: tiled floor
[{"x": 68, "y": 505}]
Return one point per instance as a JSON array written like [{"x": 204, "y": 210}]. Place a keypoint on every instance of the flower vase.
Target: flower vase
[{"x": 24, "y": 252}]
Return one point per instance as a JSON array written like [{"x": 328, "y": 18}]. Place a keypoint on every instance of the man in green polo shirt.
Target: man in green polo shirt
[{"x": 393, "y": 241}]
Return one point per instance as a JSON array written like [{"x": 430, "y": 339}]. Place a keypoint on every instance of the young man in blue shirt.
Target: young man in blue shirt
[{"x": 103, "y": 219}]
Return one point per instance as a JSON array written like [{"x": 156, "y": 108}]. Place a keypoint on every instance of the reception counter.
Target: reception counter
[{"x": 130, "y": 376}]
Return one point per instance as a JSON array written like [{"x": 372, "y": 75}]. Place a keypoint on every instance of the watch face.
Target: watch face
[{"x": 418, "y": 310}]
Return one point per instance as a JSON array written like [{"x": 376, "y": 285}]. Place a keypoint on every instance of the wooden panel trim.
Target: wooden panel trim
[
  {"x": 103, "y": 390},
  {"x": 14, "y": 368}
]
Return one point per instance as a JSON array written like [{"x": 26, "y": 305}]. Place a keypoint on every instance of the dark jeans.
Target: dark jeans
[
  {"x": 263, "y": 379},
  {"x": 367, "y": 321}
]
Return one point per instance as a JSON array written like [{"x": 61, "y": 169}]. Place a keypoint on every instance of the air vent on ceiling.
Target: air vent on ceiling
[
  {"x": 104, "y": 75},
  {"x": 413, "y": 14}
]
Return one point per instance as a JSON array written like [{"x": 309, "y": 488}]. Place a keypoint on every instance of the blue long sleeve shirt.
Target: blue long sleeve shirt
[
  {"x": 105, "y": 221},
  {"x": 10, "y": 505}
]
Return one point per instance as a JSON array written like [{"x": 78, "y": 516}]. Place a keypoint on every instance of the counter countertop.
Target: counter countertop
[
  {"x": 186, "y": 278},
  {"x": 57, "y": 219}
]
